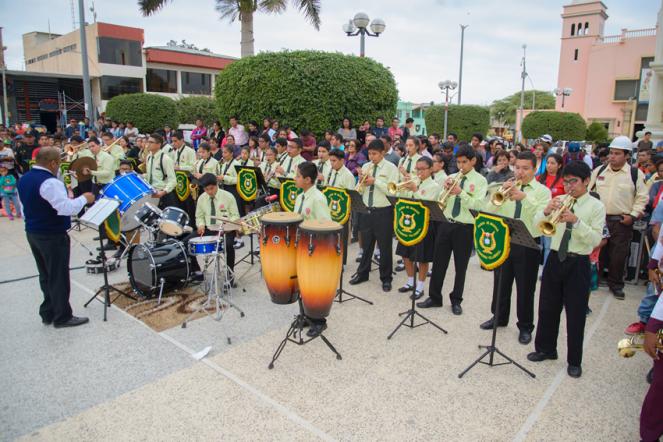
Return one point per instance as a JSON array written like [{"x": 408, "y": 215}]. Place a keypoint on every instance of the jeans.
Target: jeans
[
  {"x": 6, "y": 199},
  {"x": 647, "y": 304},
  {"x": 546, "y": 241}
]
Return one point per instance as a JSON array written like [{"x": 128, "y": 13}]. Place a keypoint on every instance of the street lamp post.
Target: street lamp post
[
  {"x": 359, "y": 26},
  {"x": 563, "y": 92},
  {"x": 460, "y": 73},
  {"x": 445, "y": 86}
]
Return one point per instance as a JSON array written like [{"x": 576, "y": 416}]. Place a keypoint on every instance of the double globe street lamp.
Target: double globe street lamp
[
  {"x": 445, "y": 86},
  {"x": 358, "y": 26},
  {"x": 563, "y": 92}
]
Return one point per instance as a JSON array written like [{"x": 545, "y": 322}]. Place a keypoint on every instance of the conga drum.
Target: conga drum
[
  {"x": 319, "y": 265},
  {"x": 278, "y": 255}
]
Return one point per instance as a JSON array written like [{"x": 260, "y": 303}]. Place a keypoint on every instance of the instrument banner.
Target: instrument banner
[
  {"x": 182, "y": 189},
  {"x": 491, "y": 240},
  {"x": 288, "y": 195},
  {"x": 410, "y": 222},
  {"x": 339, "y": 203},
  {"x": 112, "y": 225},
  {"x": 247, "y": 184},
  {"x": 64, "y": 169}
]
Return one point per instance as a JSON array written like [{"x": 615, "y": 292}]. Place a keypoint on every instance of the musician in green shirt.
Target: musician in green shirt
[
  {"x": 105, "y": 166},
  {"x": 182, "y": 155},
  {"x": 160, "y": 172},
  {"x": 289, "y": 165},
  {"x": 339, "y": 175},
  {"x": 322, "y": 163}
]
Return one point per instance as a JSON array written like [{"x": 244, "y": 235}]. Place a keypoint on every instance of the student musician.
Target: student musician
[
  {"x": 116, "y": 151},
  {"x": 422, "y": 253},
  {"x": 322, "y": 163},
  {"x": 206, "y": 163},
  {"x": 268, "y": 168},
  {"x": 456, "y": 235},
  {"x": 377, "y": 224},
  {"x": 407, "y": 164},
  {"x": 339, "y": 175},
  {"x": 105, "y": 172},
  {"x": 524, "y": 197},
  {"x": 567, "y": 275},
  {"x": 160, "y": 172},
  {"x": 226, "y": 175},
  {"x": 288, "y": 167},
  {"x": 182, "y": 155}
]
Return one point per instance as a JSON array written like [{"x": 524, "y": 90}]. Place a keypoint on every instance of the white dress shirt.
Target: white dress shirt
[{"x": 54, "y": 191}]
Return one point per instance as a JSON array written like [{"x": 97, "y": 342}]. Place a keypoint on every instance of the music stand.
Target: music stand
[
  {"x": 94, "y": 217},
  {"x": 263, "y": 185},
  {"x": 435, "y": 214},
  {"x": 520, "y": 236}
]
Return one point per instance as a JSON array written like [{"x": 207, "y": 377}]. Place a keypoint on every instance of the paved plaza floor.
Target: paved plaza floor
[{"x": 120, "y": 380}]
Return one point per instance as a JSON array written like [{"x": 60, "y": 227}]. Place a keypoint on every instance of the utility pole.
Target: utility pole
[
  {"x": 5, "y": 108},
  {"x": 523, "y": 75},
  {"x": 460, "y": 74},
  {"x": 87, "y": 93}
]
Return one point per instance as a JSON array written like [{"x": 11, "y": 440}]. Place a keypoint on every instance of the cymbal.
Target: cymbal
[{"x": 81, "y": 163}]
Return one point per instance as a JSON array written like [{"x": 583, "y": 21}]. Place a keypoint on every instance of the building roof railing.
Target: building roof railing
[{"x": 626, "y": 34}]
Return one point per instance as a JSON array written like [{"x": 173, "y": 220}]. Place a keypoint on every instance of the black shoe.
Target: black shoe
[
  {"x": 46, "y": 321},
  {"x": 488, "y": 325},
  {"x": 456, "y": 309},
  {"x": 417, "y": 295},
  {"x": 650, "y": 376},
  {"x": 386, "y": 286},
  {"x": 316, "y": 329},
  {"x": 353, "y": 240},
  {"x": 358, "y": 259},
  {"x": 238, "y": 244},
  {"x": 400, "y": 267},
  {"x": 358, "y": 280},
  {"x": 406, "y": 288},
  {"x": 618, "y": 293},
  {"x": 96, "y": 238},
  {"x": 524, "y": 337},
  {"x": 198, "y": 276},
  {"x": 108, "y": 247},
  {"x": 575, "y": 371},
  {"x": 72, "y": 322},
  {"x": 538, "y": 356},
  {"x": 428, "y": 303}
]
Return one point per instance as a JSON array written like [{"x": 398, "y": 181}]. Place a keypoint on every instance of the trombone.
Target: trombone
[
  {"x": 394, "y": 188},
  {"x": 502, "y": 194},
  {"x": 628, "y": 346},
  {"x": 108, "y": 148},
  {"x": 444, "y": 196},
  {"x": 548, "y": 227}
]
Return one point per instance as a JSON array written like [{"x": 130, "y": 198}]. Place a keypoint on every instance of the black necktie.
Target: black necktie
[
  {"x": 334, "y": 180},
  {"x": 289, "y": 166},
  {"x": 564, "y": 243},
  {"x": 372, "y": 188},
  {"x": 455, "y": 211},
  {"x": 519, "y": 206},
  {"x": 409, "y": 164},
  {"x": 212, "y": 210},
  {"x": 151, "y": 168},
  {"x": 321, "y": 165},
  {"x": 179, "y": 154},
  {"x": 301, "y": 206}
]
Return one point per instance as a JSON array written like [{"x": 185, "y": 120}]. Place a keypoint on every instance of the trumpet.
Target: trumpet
[
  {"x": 628, "y": 346},
  {"x": 394, "y": 188},
  {"x": 142, "y": 167},
  {"x": 502, "y": 194},
  {"x": 193, "y": 188},
  {"x": 548, "y": 227},
  {"x": 444, "y": 196},
  {"x": 362, "y": 181}
]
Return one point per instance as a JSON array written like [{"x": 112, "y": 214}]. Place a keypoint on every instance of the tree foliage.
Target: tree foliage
[
  {"x": 189, "y": 109},
  {"x": 596, "y": 133},
  {"x": 306, "y": 89},
  {"x": 147, "y": 112},
  {"x": 464, "y": 120},
  {"x": 560, "y": 125},
  {"x": 509, "y": 105}
]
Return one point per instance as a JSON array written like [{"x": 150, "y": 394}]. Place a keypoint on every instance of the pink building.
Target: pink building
[{"x": 608, "y": 74}]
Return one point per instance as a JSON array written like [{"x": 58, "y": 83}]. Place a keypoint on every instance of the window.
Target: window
[
  {"x": 575, "y": 55},
  {"x": 69, "y": 48},
  {"x": 573, "y": 29},
  {"x": 644, "y": 63},
  {"x": 579, "y": 28},
  {"x": 117, "y": 51},
  {"x": 161, "y": 80},
  {"x": 641, "y": 112},
  {"x": 195, "y": 83},
  {"x": 625, "y": 89},
  {"x": 112, "y": 86},
  {"x": 55, "y": 53},
  {"x": 586, "y": 28}
]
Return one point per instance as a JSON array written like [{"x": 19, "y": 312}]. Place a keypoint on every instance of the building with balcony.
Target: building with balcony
[{"x": 416, "y": 111}]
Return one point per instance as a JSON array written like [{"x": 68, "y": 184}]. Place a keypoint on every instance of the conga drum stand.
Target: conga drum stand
[{"x": 296, "y": 335}]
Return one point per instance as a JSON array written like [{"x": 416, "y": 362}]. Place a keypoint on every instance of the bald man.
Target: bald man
[{"x": 47, "y": 211}]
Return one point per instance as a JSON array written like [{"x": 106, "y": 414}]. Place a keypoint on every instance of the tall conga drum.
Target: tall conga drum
[
  {"x": 278, "y": 255},
  {"x": 319, "y": 265}
]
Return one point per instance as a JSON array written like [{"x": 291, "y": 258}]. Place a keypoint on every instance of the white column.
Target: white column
[{"x": 654, "y": 122}]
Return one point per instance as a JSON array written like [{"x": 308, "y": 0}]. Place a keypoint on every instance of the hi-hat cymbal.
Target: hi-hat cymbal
[{"x": 81, "y": 163}]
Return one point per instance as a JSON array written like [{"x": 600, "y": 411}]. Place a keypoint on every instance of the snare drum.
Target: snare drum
[
  {"x": 204, "y": 245},
  {"x": 151, "y": 265},
  {"x": 173, "y": 220},
  {"x": 319, "y": 265},
  {"x": 278, "y": 255},
  {"x": 148, "y": 216},
  {"x": 131, "y": 190}
]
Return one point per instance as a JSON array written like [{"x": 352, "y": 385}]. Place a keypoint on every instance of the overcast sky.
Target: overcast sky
[{"x": 421, "y": 44}]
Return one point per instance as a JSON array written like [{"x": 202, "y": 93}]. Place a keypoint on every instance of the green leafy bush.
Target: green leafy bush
[
  {"x": 464, "y": 120},
  {"x": 596, "y": 133},
  {"x": 560, "y": 125},
  {"x": 148, "y": 112},
  {"x": 189, "y": 109},
  {"x": 508, "y": 106},
  {"x": 306, "y": 89}
]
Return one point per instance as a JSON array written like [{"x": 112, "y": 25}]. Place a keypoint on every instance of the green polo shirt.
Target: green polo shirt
[
  {"x": 209, "y": 165},
  {"x": 323, "y": 168},
  {"x": 538, "y": 197},
  {"x": 440, "y": 178},
  {"x": 268, "y": 169},
  {"x": 227, "y": 169},
  {"x": 105, "y": 168},
  {"x": 117, "y": 152},
  {"x": 183, "y": 158},
  {"x": 409, "y": 163},
  {"x": 428, "y": 190},
  {"x": 312, "y": 205},
  {"x": 162, "y": 180},
  {"x": 341, "y": 178},
  {"x": 471, "y": 197},
  {"x": 290, "y": 164},
  {"x": 386, "y": 173},
  {"x": 225, "y": 204}
]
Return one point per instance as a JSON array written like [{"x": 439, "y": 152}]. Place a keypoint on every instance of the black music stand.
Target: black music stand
[
  {"x": 356, "y": 205},
  {"x": 520, "y": 236},
  {"x": 263, "y": 185},
  {"x": 436, "y": 214}
]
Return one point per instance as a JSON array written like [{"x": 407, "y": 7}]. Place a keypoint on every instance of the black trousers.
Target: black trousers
[
  {"x": 228, "y": 240},
  {"x": 616, "y": 252},
  {"x": 523, "y": 266},
  {"x": 51, "y": 253},
  {"x": 456, "y": 238},
  {"x": 168, "y": 200},
  {"x": 377, "y": 226},
  {"x": 564, "y": 284}
]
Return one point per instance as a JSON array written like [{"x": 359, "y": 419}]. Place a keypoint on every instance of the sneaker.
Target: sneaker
[
  {"x": 635, "y": 328},
  {"x": 376, "y": 256},
  {"x": 238, "y": 244}
]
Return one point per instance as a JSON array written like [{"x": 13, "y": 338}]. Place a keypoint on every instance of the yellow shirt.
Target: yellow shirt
[
  {"x": 225, "y": 206},
  {"x": 588, "y": 231},
  {"x": 162, "y": 180},
  {"x": 341, "y": 178},
  {"x": 183, "y": 158},
  {"x": 616, "y": 191},
  {"x": 227, "y": 169},
  {"x": 105, "y": 168},
  {"x": 209, "y": 165},
  {"x": 312, "y": 205},
  {"x": 290, "y": 165},
  {"x": 386, "y": 173},
  {"x": 471, "y": 197}
]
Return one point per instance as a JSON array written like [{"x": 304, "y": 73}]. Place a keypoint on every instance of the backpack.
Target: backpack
[{"x": 634, "y": 177}]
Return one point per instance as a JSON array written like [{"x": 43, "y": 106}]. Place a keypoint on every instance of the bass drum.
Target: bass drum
[{"x": 149, "y": 265}]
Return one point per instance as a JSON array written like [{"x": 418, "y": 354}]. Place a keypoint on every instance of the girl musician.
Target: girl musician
[{"x": 206, "y": 163}]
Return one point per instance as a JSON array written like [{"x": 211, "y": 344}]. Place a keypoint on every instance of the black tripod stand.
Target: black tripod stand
[
  {"x": 341, "y": 291},
  {"x": 297, "y": 328}
]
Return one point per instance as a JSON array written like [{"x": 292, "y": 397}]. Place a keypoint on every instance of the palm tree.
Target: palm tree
[{"x": 244, "y": 9}]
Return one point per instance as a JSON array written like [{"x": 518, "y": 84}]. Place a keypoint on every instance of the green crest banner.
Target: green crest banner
[
  {"x": 247, "y": 184},
  {"x": 289, "y": 193},
  {"x": 410, "y": 221},
  {"x": 64, "y": 168},
  {"x": 182, "y": 189},
  {"x": 491, "y": 240},
  {"x": 112, "y": 225},
  {"x": 339, "y": 203}
]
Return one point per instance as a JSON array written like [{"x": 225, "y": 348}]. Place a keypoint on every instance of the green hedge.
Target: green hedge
[
  {"x": 596, "y": 133},
  {"x": 464, "y": 120},
  {"x": 560, "y": 125},
  {"x": 148, "y": 112},
  {"x": 189, "y": 109},
  {"x": 306, "y": 89}
]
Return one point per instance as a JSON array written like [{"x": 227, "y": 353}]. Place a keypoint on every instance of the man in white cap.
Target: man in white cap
[{"x": 623, "y": 192}]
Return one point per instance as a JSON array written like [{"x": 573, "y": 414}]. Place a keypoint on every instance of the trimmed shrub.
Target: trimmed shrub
[
  {"x": 596, "y": 133},
  {"x": 189, "y": 109},
  {"x": 464, "y": 120},
  {"x": 560, "y": 125},
  {"x": 148, "y": 112},
  {"x": 306, "y": 89}
]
